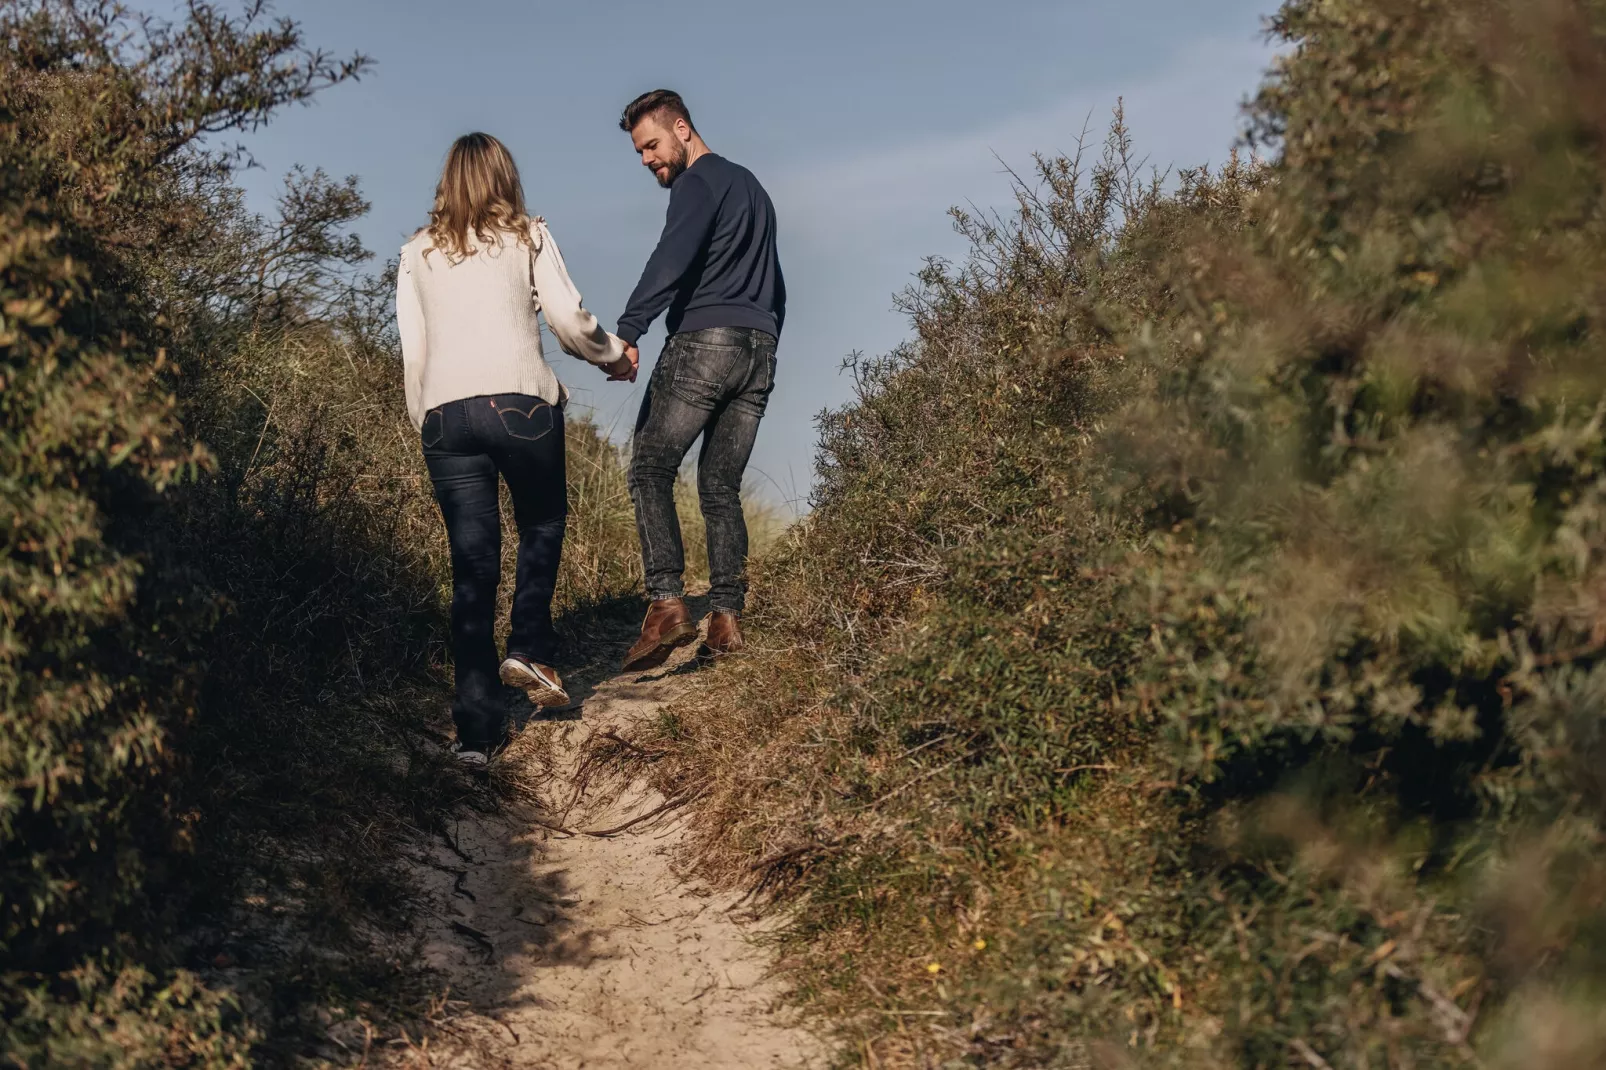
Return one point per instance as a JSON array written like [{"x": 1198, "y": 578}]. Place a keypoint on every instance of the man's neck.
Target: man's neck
[{"x": 696, "y": 149}]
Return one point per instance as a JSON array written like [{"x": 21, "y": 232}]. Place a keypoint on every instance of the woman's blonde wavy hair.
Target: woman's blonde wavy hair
[{"x": 479, "y": 191}]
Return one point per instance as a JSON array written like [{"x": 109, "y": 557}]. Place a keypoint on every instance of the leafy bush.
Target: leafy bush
[
  {"x": 103, "y": 629},
  {"x": 1207, "y": 673},
  {"x": 220, "y": 591}
]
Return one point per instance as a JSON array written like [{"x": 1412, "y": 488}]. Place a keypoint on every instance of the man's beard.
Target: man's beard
[{"x": 674, "y": 168}]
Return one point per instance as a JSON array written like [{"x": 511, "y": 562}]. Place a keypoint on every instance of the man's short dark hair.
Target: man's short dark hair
[{"x": 666, "y": 101}]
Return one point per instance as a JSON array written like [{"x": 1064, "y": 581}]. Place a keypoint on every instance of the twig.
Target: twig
[
  {"x": 268, "y": 420},
  {"x": 614, "y": 737},
  {"x": 1455, "y": 1023},
  {"x": 474, "y": 934},
  {"x": 791, "y": 853},
  {"x": 673, "y": 917},
  {"x": 677, "y": 801},
  {"x": 551, "y": 827},
  {"x": 1307, "y": 1053},
  {"x": 911, "y": 752},
  {"x": 928, "y": 774}
]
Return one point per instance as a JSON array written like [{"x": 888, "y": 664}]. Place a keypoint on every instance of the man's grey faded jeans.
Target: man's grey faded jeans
[{"x": 713, "y": 383}]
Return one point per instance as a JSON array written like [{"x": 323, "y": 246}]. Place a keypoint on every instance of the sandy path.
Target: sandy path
[{"x": 578, "y": 951}]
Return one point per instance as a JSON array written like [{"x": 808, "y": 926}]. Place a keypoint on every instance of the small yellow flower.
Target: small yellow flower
[
  {"x": 980, "y": 944},
  {"x": 933, "y": 967}
]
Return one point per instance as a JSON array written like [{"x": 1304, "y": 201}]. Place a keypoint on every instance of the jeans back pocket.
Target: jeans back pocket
[
  {"x": 526, "y": 424},
  {"x": 434, "y": 429},
  {"x": 699, "y": 374}
]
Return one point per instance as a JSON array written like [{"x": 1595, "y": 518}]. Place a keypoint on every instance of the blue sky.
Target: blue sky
[{"x": 865, "y": 119}]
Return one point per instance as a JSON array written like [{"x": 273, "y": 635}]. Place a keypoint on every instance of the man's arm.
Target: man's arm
[
  {"x": 780, "y": 298},
  {"x": 686, "y": 229}
]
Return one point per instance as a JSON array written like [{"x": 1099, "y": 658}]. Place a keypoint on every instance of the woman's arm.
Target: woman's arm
[
  {"x": 577, "y": 330},
  {"x": 410, "y": 325}
]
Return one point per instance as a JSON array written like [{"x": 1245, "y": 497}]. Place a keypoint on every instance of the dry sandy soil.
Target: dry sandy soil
[{"x": 569, "y": 950}]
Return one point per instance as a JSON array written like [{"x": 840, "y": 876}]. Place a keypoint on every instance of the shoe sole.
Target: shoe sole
[
  {"x": 541, "y": 693},
  {"x": 668, "y": 643},
  {"x": 476, "y": 762}
]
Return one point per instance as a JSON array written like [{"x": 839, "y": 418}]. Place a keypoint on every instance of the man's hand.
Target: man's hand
[{"x": 623, "y": 370}]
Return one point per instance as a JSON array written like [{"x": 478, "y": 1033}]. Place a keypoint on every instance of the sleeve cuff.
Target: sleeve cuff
[{"x": 629, "y": 334}]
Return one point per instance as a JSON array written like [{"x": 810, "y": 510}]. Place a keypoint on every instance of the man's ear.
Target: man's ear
[{"x": 683, "y": 129}]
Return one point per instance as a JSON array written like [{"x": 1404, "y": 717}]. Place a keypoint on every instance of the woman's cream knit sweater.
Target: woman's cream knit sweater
[{"x": 469, "y": 328}]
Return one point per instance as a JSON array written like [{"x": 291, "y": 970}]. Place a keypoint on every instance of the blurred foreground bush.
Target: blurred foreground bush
[
  {"x": 1194, "y": 656},
  {"x": 221, "y": 575}
]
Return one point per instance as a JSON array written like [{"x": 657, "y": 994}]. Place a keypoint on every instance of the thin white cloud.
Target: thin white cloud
[
  {"x": 855, "y": 228},
  {"x": 1183, "y": 116}
]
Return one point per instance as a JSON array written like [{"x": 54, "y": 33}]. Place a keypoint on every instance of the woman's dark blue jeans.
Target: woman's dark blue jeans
[{"x": 467, "y": 444}]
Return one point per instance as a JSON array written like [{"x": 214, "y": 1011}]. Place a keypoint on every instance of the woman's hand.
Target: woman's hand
[{"x": 622, "y": 370}]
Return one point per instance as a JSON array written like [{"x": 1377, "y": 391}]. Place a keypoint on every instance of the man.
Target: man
[{"x": 716, "y": 274}]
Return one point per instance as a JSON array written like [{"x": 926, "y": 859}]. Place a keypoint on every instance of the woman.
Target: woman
[{"x": 486, "y": 404}]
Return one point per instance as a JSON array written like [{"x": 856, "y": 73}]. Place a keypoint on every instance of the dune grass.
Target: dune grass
[{"x": 1191, "y": 659}]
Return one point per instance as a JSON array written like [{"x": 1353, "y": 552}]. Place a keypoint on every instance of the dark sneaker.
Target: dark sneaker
[
  {"x": 668, "y": 625},
  {"x": 724, "y": 636},
  {"x": 541, "y": 682}
]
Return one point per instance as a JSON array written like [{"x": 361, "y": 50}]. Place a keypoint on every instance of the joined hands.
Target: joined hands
[{"x": 624, "y": 369}]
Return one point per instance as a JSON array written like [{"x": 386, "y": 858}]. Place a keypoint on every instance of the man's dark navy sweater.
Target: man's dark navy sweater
[{"x": 715, "y": 265}]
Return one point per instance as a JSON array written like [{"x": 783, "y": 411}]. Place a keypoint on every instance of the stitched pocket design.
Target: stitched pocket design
[
  {"x": 434, "y": 429},
  {"x": 699, "y": 372},
  {"x": 527, "y": 426}
]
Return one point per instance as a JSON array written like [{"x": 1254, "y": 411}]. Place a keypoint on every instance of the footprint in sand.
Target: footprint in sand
[{"x": 571, "y": 950}]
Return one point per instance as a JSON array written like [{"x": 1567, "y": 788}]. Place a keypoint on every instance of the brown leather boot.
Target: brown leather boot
[
  {"x": 668, "y": 625},
  {"x": 724, "y": 636}
]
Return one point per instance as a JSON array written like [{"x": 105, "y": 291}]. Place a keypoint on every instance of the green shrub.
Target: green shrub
[
  {"x": 1208, "y": 670},
  {"x": 222, "y": 655},
  {"x": 99, "y": 664}
]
